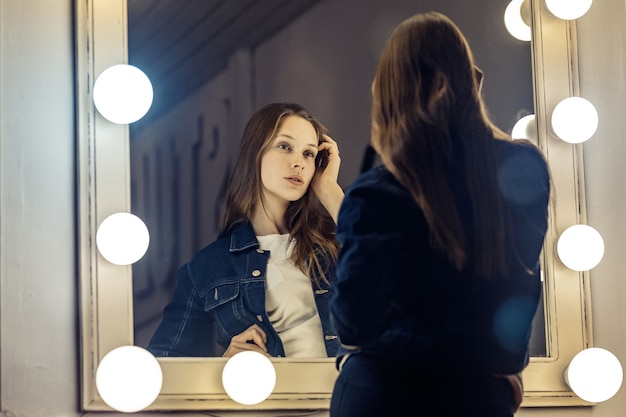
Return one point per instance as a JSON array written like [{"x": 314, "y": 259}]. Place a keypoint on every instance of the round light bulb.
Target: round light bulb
[
  {"x": 525, "y": 128},
  {"x": 595, "y": 375},
  {"x": 574, "y": 120},
  {"x": 122, "y": 238},
  {"x": 129, "y": 379},
  {"x": 514, "y": 21},
  {"x": 580, "y": 247},
  {"x": 123, "y": 94},
  {"x": 568, "y": 9},
  {"x": 249, "y": 377}
]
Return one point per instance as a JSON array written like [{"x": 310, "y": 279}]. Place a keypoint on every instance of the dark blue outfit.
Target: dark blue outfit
[
  {"x": 224, "y": 283},
  {"x": 426, "y": 333}
]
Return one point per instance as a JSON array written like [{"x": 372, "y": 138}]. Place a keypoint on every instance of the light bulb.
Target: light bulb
[
  {"x": 574, "y": 120},
  {"x": 129, "y": 379},
  {"x": 580, "y": 247},
  {"x": 568, "y": 9},
  {"x": 122, "y": 238},
  {"x": 249, "y": 377},
  {"x": 595, "y": 375},
  {"x": 123, "y": 94},
  {"x": 525, "y": 128},
  {"x": 514, "y": 20}
]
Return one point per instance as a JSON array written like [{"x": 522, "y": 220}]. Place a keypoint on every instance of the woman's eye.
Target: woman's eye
[
  {"x": 283, "y": 146},
  {"x": 309, "y": 154}
]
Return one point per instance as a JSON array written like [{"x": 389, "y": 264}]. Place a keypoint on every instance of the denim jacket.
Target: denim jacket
[
  {"x": 224, "y": 283},
  {"x": 396, "y": 296}
]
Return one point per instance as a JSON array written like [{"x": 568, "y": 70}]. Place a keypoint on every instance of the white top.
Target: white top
[{"x": 290, "y": 302}]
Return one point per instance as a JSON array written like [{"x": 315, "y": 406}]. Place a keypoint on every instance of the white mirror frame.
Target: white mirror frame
[{"x": 106, "y": 294}]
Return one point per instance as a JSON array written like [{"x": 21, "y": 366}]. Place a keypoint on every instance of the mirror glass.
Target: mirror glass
[{"x": 212, "y": 63}]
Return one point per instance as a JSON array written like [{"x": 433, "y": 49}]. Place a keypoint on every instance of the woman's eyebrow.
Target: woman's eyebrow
[{"x": 288, "y": 136}]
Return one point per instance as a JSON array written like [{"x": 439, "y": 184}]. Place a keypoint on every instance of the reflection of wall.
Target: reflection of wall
[
  {"x": 326, "y": 67},
  {"x": 180, "y": 166}
]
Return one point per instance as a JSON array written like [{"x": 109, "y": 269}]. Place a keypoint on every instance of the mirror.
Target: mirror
[
  {"x": 182, "y": 152},
  {"x": 104, "y": 160}
]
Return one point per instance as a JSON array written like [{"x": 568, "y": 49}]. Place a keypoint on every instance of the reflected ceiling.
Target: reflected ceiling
[{"x": 182, "y": 44}]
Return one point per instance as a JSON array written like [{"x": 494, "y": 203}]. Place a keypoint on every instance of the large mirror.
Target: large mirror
[
  {"x": 170, "y": 168},
  {"x": 182, "y": 151}
]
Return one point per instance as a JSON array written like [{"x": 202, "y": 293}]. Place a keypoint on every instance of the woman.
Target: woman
[
  {"x": 438, "y": 274},
  {"x": 265, "y": 281}
]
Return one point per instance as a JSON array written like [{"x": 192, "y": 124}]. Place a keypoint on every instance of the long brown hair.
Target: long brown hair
[
  {"x": 308, "y": 222},
  {"x": 428, "y": 118}
]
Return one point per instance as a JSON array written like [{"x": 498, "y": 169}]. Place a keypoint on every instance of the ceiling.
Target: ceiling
[{"x": 182, "y": 44}]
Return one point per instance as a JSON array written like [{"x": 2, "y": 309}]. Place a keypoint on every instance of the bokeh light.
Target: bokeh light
[
  {"x": 129, "y": 379},
  {"x": 595, "y": 375},
  {"x": 123, "y": 94},
  {"x": 249, "y": 377},
  {"x": 122, "y": 238},
  {"x": 580, "y": 247}
]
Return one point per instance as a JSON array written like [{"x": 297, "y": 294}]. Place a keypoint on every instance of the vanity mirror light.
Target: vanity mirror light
[{"x": 106, "y": 295}]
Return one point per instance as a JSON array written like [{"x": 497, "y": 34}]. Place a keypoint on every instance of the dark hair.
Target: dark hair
[
  {"x": 428, "y": 118},
  {"x": 308, "y": 222}
]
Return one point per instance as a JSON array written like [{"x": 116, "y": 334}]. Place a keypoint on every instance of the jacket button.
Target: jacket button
[
  {"x": 256, "y": 273},
  {"x": 259, "y": 317},
  {"x": 259, "y": 250},
  {"x": 330, "y": 337}
]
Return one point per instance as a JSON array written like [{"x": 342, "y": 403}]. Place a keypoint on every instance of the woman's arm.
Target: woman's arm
[
  {"x": 183, "y": 331},
  {"x": 371, "y": 230}
]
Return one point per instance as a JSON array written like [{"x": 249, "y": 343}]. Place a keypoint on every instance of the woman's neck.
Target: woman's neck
[{"x": 268, "y": 221}]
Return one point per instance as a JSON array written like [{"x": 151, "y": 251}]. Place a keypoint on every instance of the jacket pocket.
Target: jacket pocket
[{"x": 220, "y": 294}]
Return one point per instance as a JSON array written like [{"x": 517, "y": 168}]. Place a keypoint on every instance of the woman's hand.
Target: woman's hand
[
  {"x": 253, "y": 338},
  {"x": 324, "y": 183}
]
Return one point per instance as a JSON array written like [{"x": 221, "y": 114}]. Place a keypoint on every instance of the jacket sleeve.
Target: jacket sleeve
[
  {"x": 186, "y": 329},
  {"x": 373, "y": 249}
]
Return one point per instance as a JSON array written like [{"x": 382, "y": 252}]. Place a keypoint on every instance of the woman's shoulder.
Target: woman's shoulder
[
  {"x": 376, "y": 179},
  {"x": 236, "y": 239},
  {"x": 520, "y": 148},
  {"x": 376, "y": 191},
  {"x": 522, "y": 171}
]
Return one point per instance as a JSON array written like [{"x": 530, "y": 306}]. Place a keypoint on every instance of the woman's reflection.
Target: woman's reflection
[{"x": 265, "y": 282}]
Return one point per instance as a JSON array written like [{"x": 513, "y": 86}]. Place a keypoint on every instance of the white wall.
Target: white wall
[
  {"x": 38, "y": 282},
  {"x": 38, "y": 309}
]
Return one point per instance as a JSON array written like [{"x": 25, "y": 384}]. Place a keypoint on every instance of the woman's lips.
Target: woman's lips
[{"x": 295, "y": 179}]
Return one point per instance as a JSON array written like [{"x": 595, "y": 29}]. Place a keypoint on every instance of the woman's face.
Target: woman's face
[{"x": 289, "y": 165}]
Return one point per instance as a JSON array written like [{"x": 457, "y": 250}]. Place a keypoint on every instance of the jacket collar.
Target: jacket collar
[{"x": 242, "y": 237}]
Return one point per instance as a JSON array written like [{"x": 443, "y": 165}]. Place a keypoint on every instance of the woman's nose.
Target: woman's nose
[{"x": 298, "y": 162}]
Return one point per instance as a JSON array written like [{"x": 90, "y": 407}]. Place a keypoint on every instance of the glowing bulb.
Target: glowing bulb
[
  {"x": 122, "y": 238},
  {"x": 574, "y": 120},
  {"x": 249, "y": 377},
  {"x": 514, "y": 21},
  {"x": 595, "y": 375},
  {"x": 568, "y": 9},
  {"x": 122, "y": 94},
  {"x": 129, "y": 379},
  {"x": 525, "y": 128},
  {"x": 580, "y": 247}
]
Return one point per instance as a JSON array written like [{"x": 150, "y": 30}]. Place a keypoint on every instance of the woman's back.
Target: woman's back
[{"x": 422, "y": 307}]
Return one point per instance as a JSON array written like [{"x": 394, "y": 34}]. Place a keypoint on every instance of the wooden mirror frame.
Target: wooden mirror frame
[{"x": 106, "y": 295}]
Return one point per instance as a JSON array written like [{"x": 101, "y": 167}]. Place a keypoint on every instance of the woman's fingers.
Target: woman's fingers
[
  {"x": 236, "y": 347},
  {"x": 253, "y": 338}
]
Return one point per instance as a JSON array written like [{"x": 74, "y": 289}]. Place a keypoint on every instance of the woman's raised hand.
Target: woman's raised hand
[{"x": 325, "y": 184}]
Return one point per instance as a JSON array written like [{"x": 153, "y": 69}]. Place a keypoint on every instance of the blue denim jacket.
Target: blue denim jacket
[
  {"x": 396, "y": 296},
  {"x": 224, "y": 283}
]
